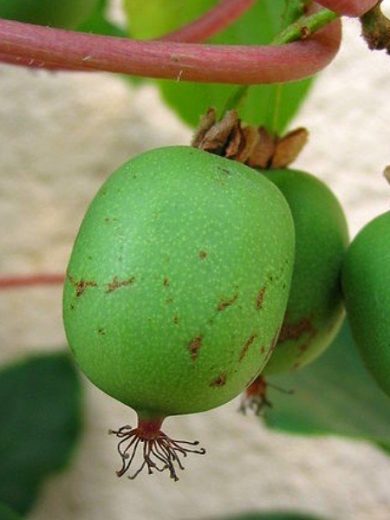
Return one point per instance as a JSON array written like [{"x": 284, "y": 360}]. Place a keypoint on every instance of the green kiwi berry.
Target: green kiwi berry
[
  {"x": 314, "y": 311},
  {"x": 365, "y": 278},
  {"x": 66, "y": 13},
  {"x": 177, "y": 284}
]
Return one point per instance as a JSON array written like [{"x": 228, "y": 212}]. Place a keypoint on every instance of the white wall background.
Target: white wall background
[{"x": 60, "y": 136}]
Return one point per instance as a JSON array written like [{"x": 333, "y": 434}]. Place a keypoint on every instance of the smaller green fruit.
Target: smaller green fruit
[
  {"x": 67, "y": 14},
  {"x": 365, "y": 281},
  {"x": 314, "y": 310}
]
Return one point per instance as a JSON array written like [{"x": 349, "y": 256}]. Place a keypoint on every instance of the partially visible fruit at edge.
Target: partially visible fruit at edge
[{"x": 366, "y": 282}]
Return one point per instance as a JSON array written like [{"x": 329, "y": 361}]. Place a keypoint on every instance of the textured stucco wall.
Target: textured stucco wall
[{"x": 60, "y": 136}]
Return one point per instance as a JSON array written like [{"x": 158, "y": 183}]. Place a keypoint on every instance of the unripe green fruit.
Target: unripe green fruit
[
  {"x": 314, "y": 310},
  {"x": 178, "y": 281},
  {"x": 66, "y": 13},
  {"x": 365, "y": 281}
]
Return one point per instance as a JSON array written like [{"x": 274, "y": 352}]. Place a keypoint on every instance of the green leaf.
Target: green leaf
[
  {"x": 271, "y": 105},
  {"x": 97, "y": 23},
  {"x": 40, "y": 421},
  {"x": 334, "y": 395},
  {"x": 7, "y": 513},
  {"x": 272, "y": 515}
]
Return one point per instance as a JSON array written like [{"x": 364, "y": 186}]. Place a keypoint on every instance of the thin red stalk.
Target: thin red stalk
[
  {"x": 212, "y": 22},
  {"x": 349, "y": 7},
  {"x": 15, "y": 282},
  {"x": 235, "y": 64}
]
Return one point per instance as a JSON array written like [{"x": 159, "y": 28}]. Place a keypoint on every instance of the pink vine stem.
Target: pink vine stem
[
  {"x": 15, "y": 282},
  {"x": 349, "y": 7},
  {"x": 50, "y": 48}
]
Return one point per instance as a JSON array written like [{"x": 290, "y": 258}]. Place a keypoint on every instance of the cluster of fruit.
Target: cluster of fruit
[{"x": 192, "y": 275}]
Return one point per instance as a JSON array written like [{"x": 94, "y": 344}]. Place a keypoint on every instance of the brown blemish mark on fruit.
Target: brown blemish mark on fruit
[
  {"x": 81, "y": 285},
  {"x": 262, "y": 349},
  {"x": 117, "y": 284},
  {"x": 169, "y": 300},
  {"x": 227, "y": 302},
  {"x": 226, "y": 171},
  {"x": 194, "y": 346},
  {"x": 101, "y": 331},
  {"x": 219, "y": 381},
  {"x": 302, "y": 348},
  {"x": 260, "y": 298},
  {"x": 176, "y": 319},
  {"x": 166, "y": 281},
  {"x": 246, "y": 346},
  {"x": 71, "y": 306},
  {"x": 110, "y": 219},
  {"x": 202, "y": 254},
  {"x": 293, "y": 331}
]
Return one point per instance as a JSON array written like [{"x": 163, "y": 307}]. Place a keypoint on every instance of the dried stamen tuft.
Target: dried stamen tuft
[
  {"x": 255, "y": 396},
  {"x": 154, "y": 450}
]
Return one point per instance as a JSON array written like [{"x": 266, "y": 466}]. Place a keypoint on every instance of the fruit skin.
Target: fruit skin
[
  {"x": 365, "y": 282},
  {"x": 314, "y": 311},
  {"x": 178, "y": 281},
  {"x": 66, "y": 14}
]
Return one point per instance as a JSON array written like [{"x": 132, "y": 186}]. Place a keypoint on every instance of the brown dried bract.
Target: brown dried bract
[
  {"x": 289, "y": 147},
  {"x": 256, "y": 147},
  {"x": 214, "y": 136}
]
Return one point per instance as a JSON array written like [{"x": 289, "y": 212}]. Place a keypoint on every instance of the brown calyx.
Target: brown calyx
[
  {"x": 255, "y": 147},
  {"x": 255, "y": 397}
]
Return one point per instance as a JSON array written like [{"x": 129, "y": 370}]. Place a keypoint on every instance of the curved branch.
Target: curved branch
[
  {"x": 212, "y": 22},
  {"x": 15, "y": 282},
  {"x": 349, "y": 7},
  {"x": 234, "y": 64}
]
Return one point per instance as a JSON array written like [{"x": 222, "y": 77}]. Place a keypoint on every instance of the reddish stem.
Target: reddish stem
[
  {"x": 235, "y": 64},
  {"x": 349, "y": 7},
  {"x": 15, "y": 282},
  {"x": 212, "y": 22}
]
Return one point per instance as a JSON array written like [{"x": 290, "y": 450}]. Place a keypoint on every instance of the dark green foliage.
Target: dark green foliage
[
  {"x": 40, "y": 421},
  {"x": 334, "y": 395}
]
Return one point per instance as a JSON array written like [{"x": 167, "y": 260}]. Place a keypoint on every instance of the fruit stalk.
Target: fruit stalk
[
  {"x": 212, "y": 22},
  {"x": 44, "y": 47}
]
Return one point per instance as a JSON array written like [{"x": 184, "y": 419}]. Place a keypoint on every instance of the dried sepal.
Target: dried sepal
[
  {"x": 288, "y": 147},
  {"x": 256, "y": 147}
]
